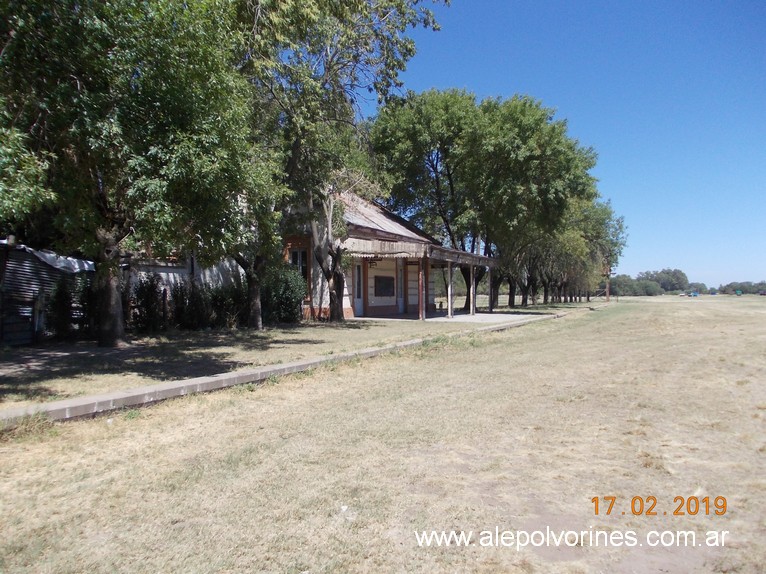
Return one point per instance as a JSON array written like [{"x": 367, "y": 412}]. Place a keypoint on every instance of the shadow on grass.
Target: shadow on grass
[{"x": 25, "y": 371}]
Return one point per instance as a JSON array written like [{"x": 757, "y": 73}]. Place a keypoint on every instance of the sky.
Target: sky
[{"x": 671, "y": 95}]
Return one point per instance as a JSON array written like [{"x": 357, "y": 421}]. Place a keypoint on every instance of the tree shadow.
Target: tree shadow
[{"x": 25, "y": 372}]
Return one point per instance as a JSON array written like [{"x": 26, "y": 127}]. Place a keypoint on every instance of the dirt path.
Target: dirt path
[{"x": 336, "y": 471}]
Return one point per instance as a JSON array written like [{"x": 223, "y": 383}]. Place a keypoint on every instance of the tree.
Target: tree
[
  {"x": 23, "y": 187},
  {"x": 668, "y": 279},
  {"x": 313, "y": 60},
  {"x": 143, "y": 121},
  {"x": 420, "y": 140},
  {"x": 524, "y": 172},
  {"x": 700, "y": 288}
]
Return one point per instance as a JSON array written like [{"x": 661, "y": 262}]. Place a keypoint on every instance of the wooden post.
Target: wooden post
[
  {"x": 421, "y": 281},
  {"x": 491, "y": 291},
  {"x": 473, "y": 291},
  {"x": 450, "y": 313}
]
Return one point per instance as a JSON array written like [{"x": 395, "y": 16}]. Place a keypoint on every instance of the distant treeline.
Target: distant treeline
[{"x": 675, "y": 281}]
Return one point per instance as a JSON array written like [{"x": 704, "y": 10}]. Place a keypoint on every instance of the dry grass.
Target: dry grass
[
  {"x": 334, "y": 471},
  {"x": 56, "y": 372}
]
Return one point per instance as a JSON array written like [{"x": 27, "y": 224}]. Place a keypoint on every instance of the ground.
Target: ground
[
  {"x": 335, "y": 470},
  {"x": 61, "y": 371}
]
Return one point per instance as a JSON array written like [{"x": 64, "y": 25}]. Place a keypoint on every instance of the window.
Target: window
[
  {"x": 299, "y": 258},
  {"x": 384, "y": 286}
]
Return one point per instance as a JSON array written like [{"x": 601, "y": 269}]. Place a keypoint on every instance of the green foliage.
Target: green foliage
[
  {"x": 148, "y": 307},
  {"x": 60, "y": 309},
  {"x": 191, "y": 305},
  {"x": 700, "y": 288},
  {"x": 229, "y": 305},
  {"x": 142, "y": 117},
  {"x": 647, "y": 287},
  {"x": 22, "y": 174},
  {"x": 503, "y": 178},
  {"x": 745, "y": 287},
  {"x": 420, "y": 142},
  {"x": 625, "y": 285},
  {"x": 195, "y": 306},
  {"x": 671, "y": 280},
  {"x": 525, "y": 168},
  {"x": 87, "y": 297},
  {"x": 283, "y": 291}
]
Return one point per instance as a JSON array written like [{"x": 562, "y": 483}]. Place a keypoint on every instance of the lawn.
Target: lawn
[
  {"x": 335, "y": 470},
  {"x": 56, "y": 372}
]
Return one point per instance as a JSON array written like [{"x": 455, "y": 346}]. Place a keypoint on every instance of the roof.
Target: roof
[
  {"x": 66, "y": 264},
  {"x": 366, "y": 218},
  {"x": 374, "y": 231}
]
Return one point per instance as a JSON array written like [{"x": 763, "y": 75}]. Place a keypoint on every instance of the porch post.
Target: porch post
[
  {"x": 473, "y": 291},
  {"x": 491, "y": 291},
  {"x": 421, "y": 282},
  {"x": 450, "y": 313}
]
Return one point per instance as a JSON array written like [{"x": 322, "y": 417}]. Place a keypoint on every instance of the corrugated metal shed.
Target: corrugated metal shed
[{"x": 28, "y": 278}]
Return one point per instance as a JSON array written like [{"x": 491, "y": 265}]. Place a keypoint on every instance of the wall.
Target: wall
[
  {"x": 226, "y": 272},
  {"x": 27, "y": 285},
  {"x": 381, "y": 268},
  {"x": 412, "y": 287}
]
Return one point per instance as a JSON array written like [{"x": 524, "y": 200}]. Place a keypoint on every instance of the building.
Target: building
[
  {"x": 389, "y": 265},
  {"x": 28, "y": 278}
]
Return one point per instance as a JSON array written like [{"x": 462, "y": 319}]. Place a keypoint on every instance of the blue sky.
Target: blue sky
[{"x": 672, "y": 96}]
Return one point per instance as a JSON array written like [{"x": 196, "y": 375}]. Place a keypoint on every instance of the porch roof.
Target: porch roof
[{"x": 376, "y": 232}]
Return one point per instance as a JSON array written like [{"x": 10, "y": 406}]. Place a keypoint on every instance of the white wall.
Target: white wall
[{"x": 383, "y": 268}]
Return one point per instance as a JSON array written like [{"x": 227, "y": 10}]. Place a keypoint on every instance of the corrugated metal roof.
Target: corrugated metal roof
[
  {"x": 368, "y": 215},
  {"x": 376, "y": 232},
  {"x": 67, "y": 264}
]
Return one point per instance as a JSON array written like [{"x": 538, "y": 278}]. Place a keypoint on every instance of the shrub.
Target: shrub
[
  {"x": 282, "y": 291},
  {"x": 191, "y": 305},
  {"x": 148, "y": 310},
  {"x": 87, "y": 318},
  {"x": 229, "y": 305}
]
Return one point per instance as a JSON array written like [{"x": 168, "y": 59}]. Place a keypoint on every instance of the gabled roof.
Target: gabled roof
[
  {"x": 365, "y": 218},
  {"x": 374, "y": 231}
]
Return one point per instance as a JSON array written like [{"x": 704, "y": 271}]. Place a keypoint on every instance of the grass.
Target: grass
[
  {"x": 335, "y": 470},
  {"x": 61, "y": 371}
]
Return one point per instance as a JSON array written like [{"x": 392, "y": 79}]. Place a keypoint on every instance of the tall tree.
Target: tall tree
[
  {"x": 23, "y": 187},
  {"x": 315, "y": 59},
  {"x": 422, "y": 143},
  {"x": 525, "y": 170},
  {"x": 143, "y": 121}
]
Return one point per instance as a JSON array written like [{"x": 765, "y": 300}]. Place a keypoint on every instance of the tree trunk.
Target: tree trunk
[
  {"x": 525, "y": 295},
  {"x": 255, "y": 314},
  {"x": 497, "y": 280},
  {"x": 477, "y": 277},
  {"x": 111, "y": 327},
  {"x": 546, "y": 293},
  {"x": 511, "y": 293},
  {"x": 252, "y": 266},
  {"x": 335, "y": 285}
]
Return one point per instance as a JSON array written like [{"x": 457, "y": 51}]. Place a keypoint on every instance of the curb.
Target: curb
[{"x": 98, "y": 404}]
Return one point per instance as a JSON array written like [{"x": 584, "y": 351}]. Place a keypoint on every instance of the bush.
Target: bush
[
  {"x": 191, "y": 306},
  {"x": 229, "y": 305},
  {"x": 282, "y": 291},
  {"x": 148, "y": 312},
  {"x": 87, "y": 318},
  {"x": 646, "y": 287},
  {"x": 60, "y": 310}
]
